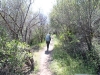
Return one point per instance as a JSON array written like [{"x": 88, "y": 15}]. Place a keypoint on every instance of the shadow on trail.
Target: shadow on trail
[{"x": 48, "y": 52}]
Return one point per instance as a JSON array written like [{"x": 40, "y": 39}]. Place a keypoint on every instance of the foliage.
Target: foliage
[
  {"x": 38, "y": 35},
  {"x": 64, "y": 64},
  {"x": 12, "y": 54},
  {"x": 77, "y": 24},
  {"x": 21, "y": 18}
]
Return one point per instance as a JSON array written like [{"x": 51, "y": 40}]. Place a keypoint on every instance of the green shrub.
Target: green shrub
[
  {"x": 65, "y": 64},
  {"x": 38, "y": 36},
  {"x": 12, "y": 54}
]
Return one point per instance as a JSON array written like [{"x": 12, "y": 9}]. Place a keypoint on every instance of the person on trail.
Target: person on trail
[{"x": 48, "y": 39}]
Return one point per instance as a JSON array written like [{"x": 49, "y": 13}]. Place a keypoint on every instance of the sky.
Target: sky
[{"x": 45, "y": 6}]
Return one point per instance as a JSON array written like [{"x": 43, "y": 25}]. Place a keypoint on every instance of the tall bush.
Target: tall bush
[{"x": 12, "y": 54}]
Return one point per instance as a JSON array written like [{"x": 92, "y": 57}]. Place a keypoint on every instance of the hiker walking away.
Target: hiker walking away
[{"x": 48, "y": 39}]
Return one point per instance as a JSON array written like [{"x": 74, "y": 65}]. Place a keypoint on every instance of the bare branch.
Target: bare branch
[
  {"x": 32, "y": 20},
  {"x": 37, "y": 23},
  {"x": 7, "y": 23},
  {"x": 27, "y": 13},
  {"x": 11, "y": 18}
]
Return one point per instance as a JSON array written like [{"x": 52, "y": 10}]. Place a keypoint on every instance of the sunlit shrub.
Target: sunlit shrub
[{"x": 12, "y": 54}]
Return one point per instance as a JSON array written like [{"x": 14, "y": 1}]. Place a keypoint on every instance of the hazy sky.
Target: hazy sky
[{"x": 44, "y": 5}]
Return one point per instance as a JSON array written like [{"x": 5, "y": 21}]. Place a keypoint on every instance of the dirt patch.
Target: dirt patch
[{"x": 45, "y": 59}]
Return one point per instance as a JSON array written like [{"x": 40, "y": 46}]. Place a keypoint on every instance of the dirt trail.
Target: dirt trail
[{"x": 45, "y": 58}]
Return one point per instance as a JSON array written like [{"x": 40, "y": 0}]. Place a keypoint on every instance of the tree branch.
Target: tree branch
[{"x": 7, "y": 23}]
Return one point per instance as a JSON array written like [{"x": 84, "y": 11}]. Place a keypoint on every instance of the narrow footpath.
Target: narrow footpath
[{"x": 45, "y": 58}]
